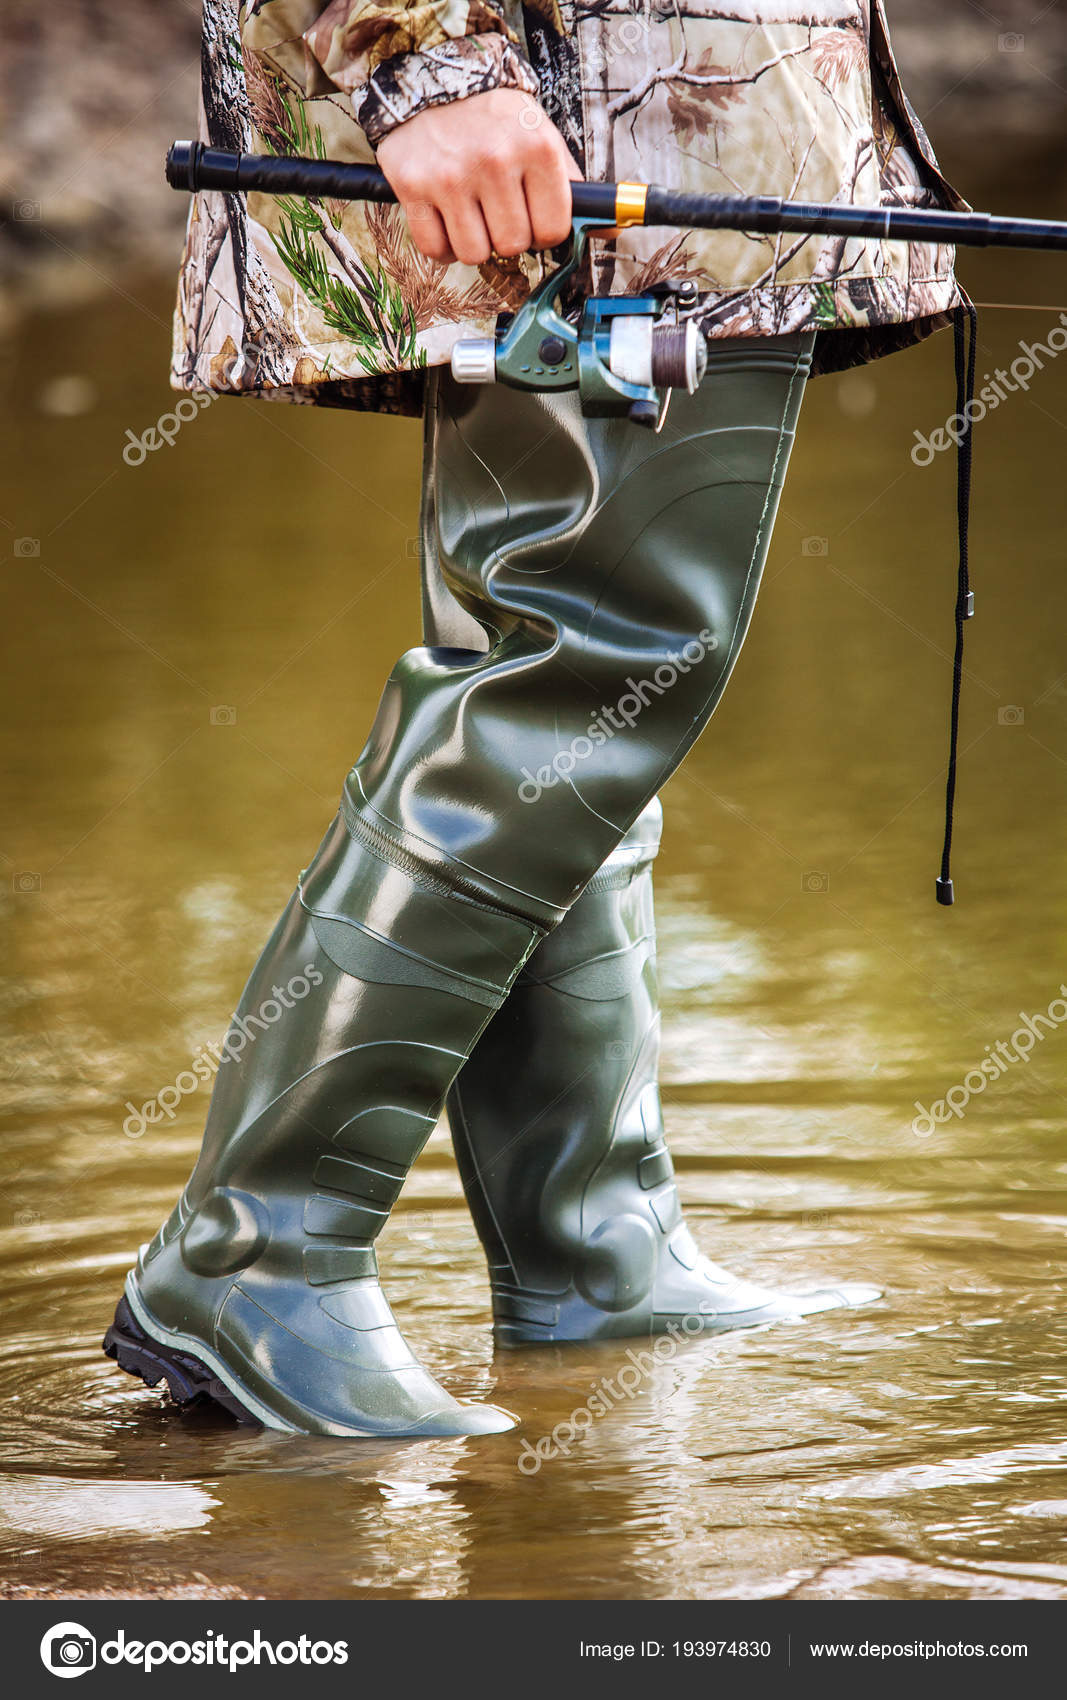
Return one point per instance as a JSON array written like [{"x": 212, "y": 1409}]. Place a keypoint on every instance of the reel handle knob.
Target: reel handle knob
[{"x": 474, "y": 360}]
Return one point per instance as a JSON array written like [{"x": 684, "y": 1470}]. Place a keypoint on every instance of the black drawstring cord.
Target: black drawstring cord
[{"x": 966, "y": 357}]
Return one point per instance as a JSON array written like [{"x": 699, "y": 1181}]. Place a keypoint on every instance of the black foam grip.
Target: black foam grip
[{"x": 191, "y": 165}]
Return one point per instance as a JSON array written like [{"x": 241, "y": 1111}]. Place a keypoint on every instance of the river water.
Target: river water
[{"x": 194, "y": 647}]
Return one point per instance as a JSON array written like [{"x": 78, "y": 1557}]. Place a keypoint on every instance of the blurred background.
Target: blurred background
[{"x": 193, "y": 647}]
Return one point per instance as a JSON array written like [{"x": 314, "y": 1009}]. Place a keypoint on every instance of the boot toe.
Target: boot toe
[
  {"x": 725, "y": 1302},
  {"x": 467, "y": 1419}
]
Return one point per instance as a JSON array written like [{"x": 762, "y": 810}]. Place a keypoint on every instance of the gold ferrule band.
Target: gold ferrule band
[{"x": 630, "y": 203}]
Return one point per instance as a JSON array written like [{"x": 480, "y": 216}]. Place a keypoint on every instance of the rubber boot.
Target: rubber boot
[
  {"x": 559, "y": 1139},
  {"x": 556, "y": 1118},
  {"x": 613, "y": 573},
  {"x": 261, "y": 1290},
  {"x": 558, "y": 1133}
]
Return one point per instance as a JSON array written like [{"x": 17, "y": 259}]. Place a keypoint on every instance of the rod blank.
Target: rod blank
[{"x": 192, "y": 166}]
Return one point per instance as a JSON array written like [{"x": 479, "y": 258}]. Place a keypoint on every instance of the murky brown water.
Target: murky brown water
[{"x": 262, "y": 567}]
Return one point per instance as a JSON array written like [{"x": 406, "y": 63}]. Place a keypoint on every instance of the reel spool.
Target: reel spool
[{"x": 657, "y": 356}]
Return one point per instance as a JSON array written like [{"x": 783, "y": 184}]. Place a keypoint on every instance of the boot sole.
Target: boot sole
[
  {"x": 192, "y": 1379},
  {"x": 189, "y": 1382}
]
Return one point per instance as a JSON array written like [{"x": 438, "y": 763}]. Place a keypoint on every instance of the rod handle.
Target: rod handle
[{"x": 194, "y": 165}]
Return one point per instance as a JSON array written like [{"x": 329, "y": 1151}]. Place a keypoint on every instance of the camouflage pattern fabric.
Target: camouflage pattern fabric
[{"x": 330, "y": 303}]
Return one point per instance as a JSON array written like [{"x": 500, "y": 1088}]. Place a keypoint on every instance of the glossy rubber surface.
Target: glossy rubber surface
[
  {"x": 556, "y": 1117},
  {"x": 604, "y": 567},
  {"x": 266, "y": 1270},
  {"x": 558, "y": 1130},
  {"x": 612, "y": 574}
]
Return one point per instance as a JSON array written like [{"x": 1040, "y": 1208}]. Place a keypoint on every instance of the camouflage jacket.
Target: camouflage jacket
[{"x": 330, "y": 302}]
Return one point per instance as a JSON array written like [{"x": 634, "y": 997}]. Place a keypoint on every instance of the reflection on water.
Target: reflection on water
[
  {"x": 65, "y": 1509},
  {"x": 194, "y": 649}
]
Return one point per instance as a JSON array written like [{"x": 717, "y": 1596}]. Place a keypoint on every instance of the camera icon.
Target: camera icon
[
  {"x": 22, "y": 884},
  {"x": 1010, "y": 715},
  {"x": 1011, "y": 42},
  {"x": 415, "y": 547},
  {"x": 223, "y": 714},
  {"x": 68, "y": 1649},
  {"x": 815, "y": 881},
  {"x": 819, "y": 546},
  {"x": 27, "y": 1218},
  {"x": 25, "y": 210},
  {"x": 616, "y": 1048},
  {"x": 27, "y": 548}
]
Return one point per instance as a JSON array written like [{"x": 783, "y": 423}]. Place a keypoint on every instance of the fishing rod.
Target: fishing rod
[
  {"x": 193, "y": 165},
  {"x": 627, "y": 353}
]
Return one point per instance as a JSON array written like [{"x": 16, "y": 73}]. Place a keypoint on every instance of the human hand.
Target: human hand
[{"x": 490, "y": 173}]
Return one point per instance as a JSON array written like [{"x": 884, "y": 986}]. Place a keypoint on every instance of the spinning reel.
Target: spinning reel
[
  {"x": 625, "y": 356},
  {"x": 628, "y": 352}
]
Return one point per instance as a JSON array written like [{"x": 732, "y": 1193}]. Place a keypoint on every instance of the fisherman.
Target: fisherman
[{"x": 476, "y": 925}]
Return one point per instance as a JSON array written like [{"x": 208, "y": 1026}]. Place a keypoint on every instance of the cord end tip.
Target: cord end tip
[{"x": 945, "y": 893}]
